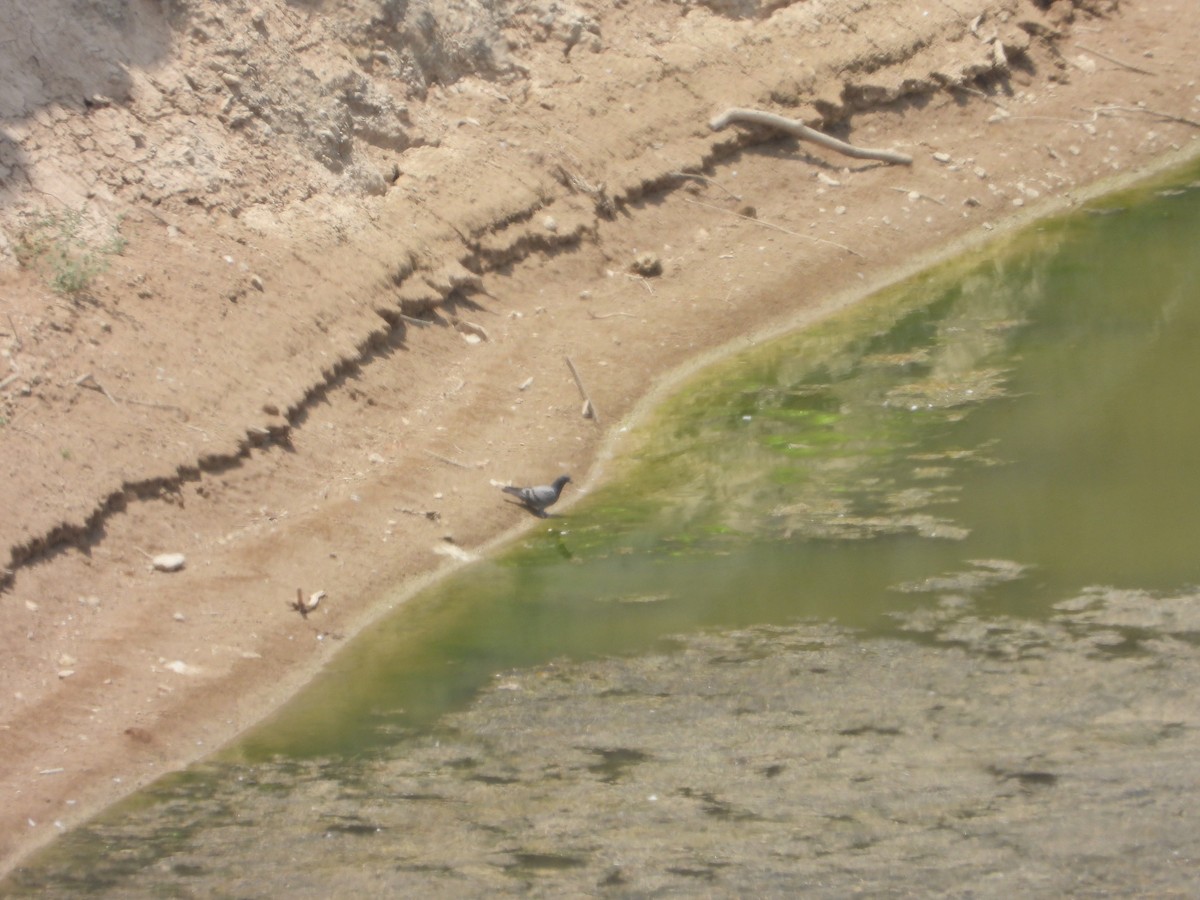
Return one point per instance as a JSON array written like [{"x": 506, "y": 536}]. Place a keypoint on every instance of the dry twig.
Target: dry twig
[
  {"x": 451, "y": 462},
  {"x": 303, "y": 606},
  {"x": 706, "y": 180},
  {"x": 642, "y": 280},
  {"x": 919, "y": 195},
  {"x": 431, "y": 514},
  {"x": 87, "y": 380},
  {"x": 1115, "y": 61},
  {"x": 589, "y": 408},
  {"x": 1170, "y": 117},
  {"x": 16, "y": 344},
  {"x": 774, "y": 227}
]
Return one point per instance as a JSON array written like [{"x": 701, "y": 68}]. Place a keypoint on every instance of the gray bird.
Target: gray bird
[{"x": 536, "y": 499}]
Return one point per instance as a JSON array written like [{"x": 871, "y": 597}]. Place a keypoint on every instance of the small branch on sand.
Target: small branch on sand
[
  {"x": 774, "y": 227},
  {"x": 88, "y": 381},
  {"x": 800, "y": 130},
  {"x": 304, "y": 605},
  {"x": 706, "y": 180},
  {"x": 641, "y": 279},
  {"x": 431, "y": 514},
  {"x": 611, "y": 315},
  {"x": 1170, "y": 117},
  {"x": 1115, "y": 61},
  {"x": 16, "y": 345},
  {"x": 451, "y": 462},
  {"x": 918, "y": 195},
  {"x": 589, "y": 409}
]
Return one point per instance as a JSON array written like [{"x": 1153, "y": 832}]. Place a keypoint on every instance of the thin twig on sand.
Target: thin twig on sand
[
  {"x": 451, "y": 462},
  {"x": 589, "y": 408},
  {"x": 88, "y": 380},
  {"x": 919, "y": 195},
  {"x": 1144, "y": 110},
  {"x": 706, "y": 180},
  {"x": 1115, "y": 61},
  {"x": 774, "y": 227}
]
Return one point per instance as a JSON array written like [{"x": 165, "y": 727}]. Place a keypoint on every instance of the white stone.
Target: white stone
[{"x": 169, "y": 562}]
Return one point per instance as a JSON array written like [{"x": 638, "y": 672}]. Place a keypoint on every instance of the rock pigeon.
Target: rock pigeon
[{"x": 540, "y": 497}]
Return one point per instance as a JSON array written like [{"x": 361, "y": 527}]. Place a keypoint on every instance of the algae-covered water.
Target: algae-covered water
[{"x": 939, "y": 546}]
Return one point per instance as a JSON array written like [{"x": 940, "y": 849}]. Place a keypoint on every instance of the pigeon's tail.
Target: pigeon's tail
[{"x": 509, "y": 489}]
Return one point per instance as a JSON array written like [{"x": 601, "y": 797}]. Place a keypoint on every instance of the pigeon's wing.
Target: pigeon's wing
[{"x": 542, "y": 495}]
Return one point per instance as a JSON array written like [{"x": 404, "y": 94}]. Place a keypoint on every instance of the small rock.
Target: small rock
[
  {"x": 179, "y": 617},
  {"x": 825, "y": 179},
  {"x": 550, "y": 223},
  {"x": 256, "y": 283},
  {"x": 65, "y": 673},
  {"x": 375, "y": 458},
  {"x": 942, "y": 157},
  {"x": 66, "y": 661},
  {"x": 169, "y": 562},
  {"x": 471, "y": 330},
  {"x": 648, "y": 265},
  {"x": 524, "y": 385}
]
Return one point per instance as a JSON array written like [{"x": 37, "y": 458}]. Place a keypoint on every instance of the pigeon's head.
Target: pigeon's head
[{"x": 560, "y": 481}]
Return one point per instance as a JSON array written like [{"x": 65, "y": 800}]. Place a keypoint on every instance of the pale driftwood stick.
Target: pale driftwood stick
[
  {"x": 1115, "y": 61},
  {"x": 774, "y": 227},
  {"x": 800, "y": 130},
  {"x": 588, "y": 405},
  {"x": 611, "y": 315}
]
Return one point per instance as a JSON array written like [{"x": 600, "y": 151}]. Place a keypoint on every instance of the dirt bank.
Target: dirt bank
[{"x": 327, "y": 263}]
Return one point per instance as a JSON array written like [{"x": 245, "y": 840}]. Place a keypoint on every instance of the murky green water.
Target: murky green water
[{"x": 1001, "y": 434}]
